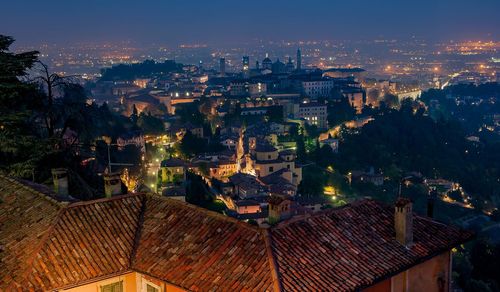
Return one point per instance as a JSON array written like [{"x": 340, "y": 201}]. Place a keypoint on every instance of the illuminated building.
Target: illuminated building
[
  {"x": 246, "y": 66},
  {"x": 314, "y": 113},
  {"x": 315, "y": 88},
  {"x": 246, "y": 63},
  {"x": 357, "y": 73},
  {"x": 272, "y": 167},
  {"x": 245, "y": 87}
]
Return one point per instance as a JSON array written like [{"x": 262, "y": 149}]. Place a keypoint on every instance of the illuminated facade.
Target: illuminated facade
[
  {"x": 318, "y": 88},
  {"x": 314, "y": 114}
]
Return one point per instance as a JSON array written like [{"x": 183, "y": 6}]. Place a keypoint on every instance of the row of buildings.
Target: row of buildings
[{"x": 160, "y": 94}]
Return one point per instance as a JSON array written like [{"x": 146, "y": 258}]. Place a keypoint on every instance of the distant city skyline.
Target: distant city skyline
[{"x": 224, "y": 21}]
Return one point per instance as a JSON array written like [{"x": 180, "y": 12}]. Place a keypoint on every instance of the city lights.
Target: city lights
[{"x": 253, "y": 146}]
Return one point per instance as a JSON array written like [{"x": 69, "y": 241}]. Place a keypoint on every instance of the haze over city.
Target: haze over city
[{"x": 226, "y": 21}]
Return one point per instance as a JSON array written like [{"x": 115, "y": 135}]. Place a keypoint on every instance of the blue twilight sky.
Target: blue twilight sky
[{"x": 224, "y": 21}]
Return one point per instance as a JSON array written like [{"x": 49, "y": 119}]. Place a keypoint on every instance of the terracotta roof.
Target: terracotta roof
[
  {"x": 46, "y": 245},
  {"x": 201, "y": 250},
  {"x": 353, "y": 247},
  {"x": 88, "y": 240},
  {"x": 26, "y": 217}
]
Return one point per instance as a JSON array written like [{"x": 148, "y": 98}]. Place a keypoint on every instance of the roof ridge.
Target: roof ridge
[
  {"x": 320, "y": 213},
  {"x": 273, "y": 263},
  {"x": 208, "y": 212},
  {"x": 138, "y": 231},
  {"x": 104, "y": 200}
]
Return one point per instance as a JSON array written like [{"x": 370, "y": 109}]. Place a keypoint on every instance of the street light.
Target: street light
[{"x": 108, "y": 141}]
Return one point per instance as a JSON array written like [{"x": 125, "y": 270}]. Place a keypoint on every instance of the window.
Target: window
[
  {"x": 271, "y": 169},
  {"x": 150, "y": 288},
  {"x": 147, "y": 286},
  {"x": 113, "y": 287}
]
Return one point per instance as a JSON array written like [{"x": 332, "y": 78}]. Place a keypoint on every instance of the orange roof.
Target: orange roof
[
  {"x": 47, "y": 245},
  {"x": 201, "y": 250},
  {"x": 26, "y": 216},
  {"x": 353, "y": 247},
  {"x": 88, "y": 239}
]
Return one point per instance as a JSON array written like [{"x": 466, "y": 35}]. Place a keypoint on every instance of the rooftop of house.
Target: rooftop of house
[
  {"x": 246, "y": 203},
  {"x": 47, "y": 245},
  {"x": 173, "y": 162},
  {"x": 249, "y": 216},
  {"x": 275, "y": 178},
  {"x": 264, "y": 147},
  {"x": 174, "y": 191},
  {"x": 312, "y": 104},
  {"x": 287, "y": 152},
  {"x": 147, "y": 98}
]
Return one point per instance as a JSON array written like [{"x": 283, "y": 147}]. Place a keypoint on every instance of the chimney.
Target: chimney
[
  {"x": 403, "y": 221},
  {"x": 279, "y": 209},
  {"x": 60, "y": 179},
  {"x": 431, "y": 201},
  {"x": 112, "y": 184}
]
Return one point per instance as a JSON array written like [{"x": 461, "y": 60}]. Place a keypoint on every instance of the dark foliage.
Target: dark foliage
[
  {"x": 339, "y": 112},
  {"x": 144, "y": 69},
  {"x": 407, "y": 141}
]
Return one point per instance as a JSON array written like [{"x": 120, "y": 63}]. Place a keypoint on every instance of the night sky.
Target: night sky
[{"x": 227, "y": 21}]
